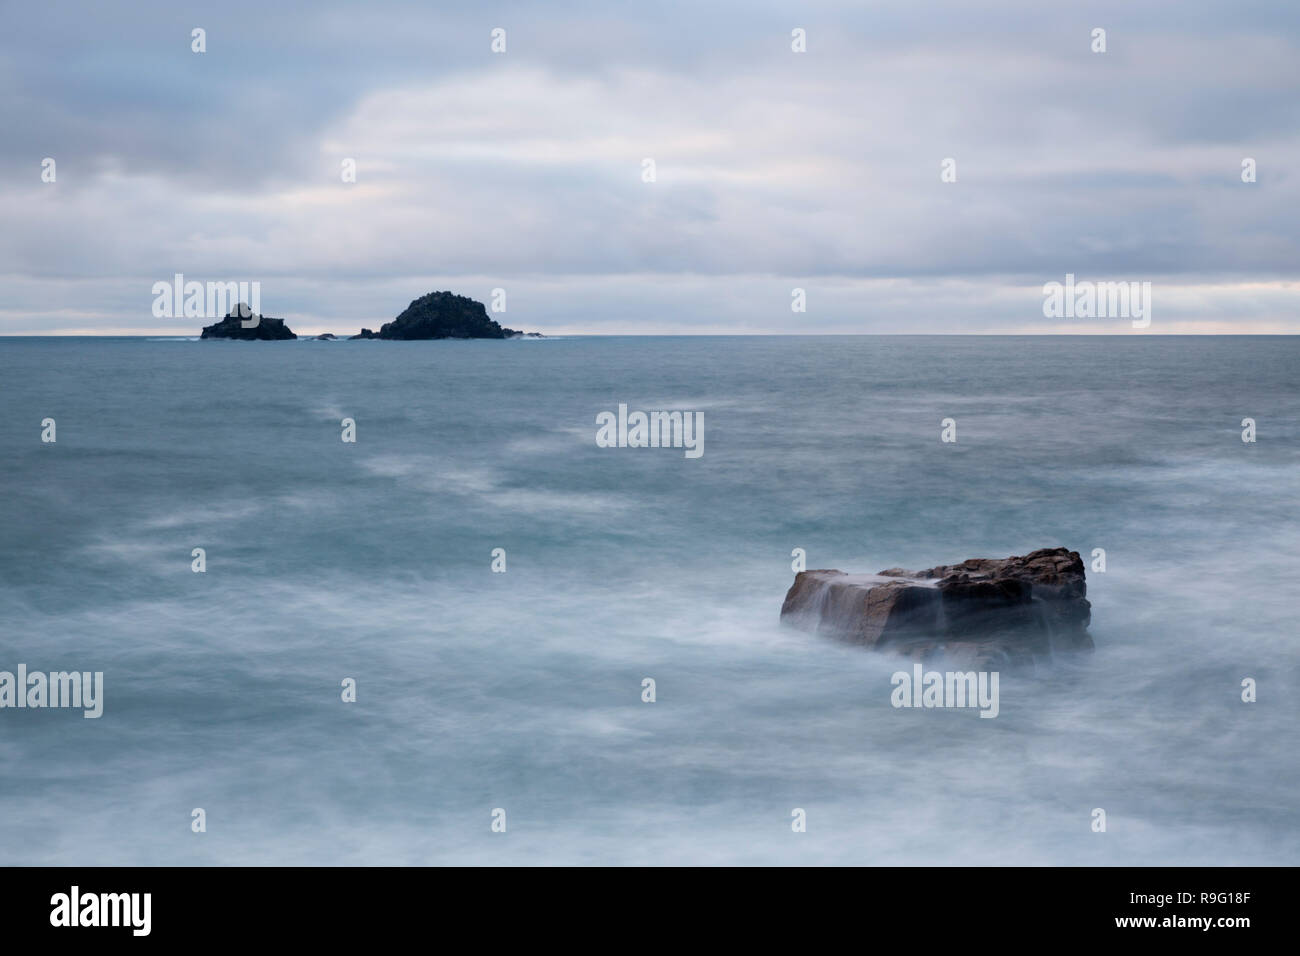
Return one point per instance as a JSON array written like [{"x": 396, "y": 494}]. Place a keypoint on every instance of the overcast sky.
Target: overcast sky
[{"x": 775, "y": 169}]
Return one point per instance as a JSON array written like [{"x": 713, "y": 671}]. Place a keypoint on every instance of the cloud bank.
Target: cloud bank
[{"x": 774, "y": 170}]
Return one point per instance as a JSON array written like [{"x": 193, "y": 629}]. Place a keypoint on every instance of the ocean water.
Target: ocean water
[{"x": 522, "y": 690}]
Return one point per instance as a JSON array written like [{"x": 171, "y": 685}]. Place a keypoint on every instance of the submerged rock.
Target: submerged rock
[
  {"x": 232, "y": 327},
  {"x": 984, "y": 611}
]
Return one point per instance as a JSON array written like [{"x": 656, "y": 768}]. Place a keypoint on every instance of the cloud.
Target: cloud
[{"x": 774, "y": 169}]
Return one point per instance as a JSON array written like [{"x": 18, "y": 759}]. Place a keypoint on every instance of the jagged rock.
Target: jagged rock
[
  {"x": 365, "y": 334},
  {"x": 985, "y": 611},
  {"x": 232, "y": 327},
  {"x": 444, "y": 315}
]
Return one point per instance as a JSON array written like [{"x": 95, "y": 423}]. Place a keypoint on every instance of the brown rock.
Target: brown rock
[
  {"x": 989, "y": 611},
  {"x": 862, "y": 608}
]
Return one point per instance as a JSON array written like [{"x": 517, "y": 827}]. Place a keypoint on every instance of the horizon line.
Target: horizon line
[{"x": 343, "y": 336}]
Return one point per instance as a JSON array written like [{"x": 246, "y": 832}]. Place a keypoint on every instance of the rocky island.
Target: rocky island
[
  {"x": 442, "y": 315},
  {"x": 984, "y": 612},
  {"x": 438, "y": 315},
  {"x": 232, "y": 327}
]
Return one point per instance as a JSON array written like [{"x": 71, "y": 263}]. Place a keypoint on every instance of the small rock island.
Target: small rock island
[
  {"x": 442, "y": 315},
  {"x": 984, "y": 612},
  {"x": 232, "y": 327}
]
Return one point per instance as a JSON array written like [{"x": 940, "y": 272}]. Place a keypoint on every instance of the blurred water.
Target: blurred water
[{"x": 522, "y": 690}]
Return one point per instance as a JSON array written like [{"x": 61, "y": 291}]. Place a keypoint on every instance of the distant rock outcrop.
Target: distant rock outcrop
[
  {"x": 438, "y": 315},
  {"x": 988, "y": 612},
  {"x": 442, "y": 315},
  {"x": 232, "y": 327}
]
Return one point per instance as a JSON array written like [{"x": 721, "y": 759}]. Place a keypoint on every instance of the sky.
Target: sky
[{"x": 774, "y": 170}]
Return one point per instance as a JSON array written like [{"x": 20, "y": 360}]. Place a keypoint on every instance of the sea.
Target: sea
[{"x": 568, "y": 653}]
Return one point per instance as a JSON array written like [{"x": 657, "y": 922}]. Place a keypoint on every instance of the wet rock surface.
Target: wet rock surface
[{"x": 983, "y": 612}]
